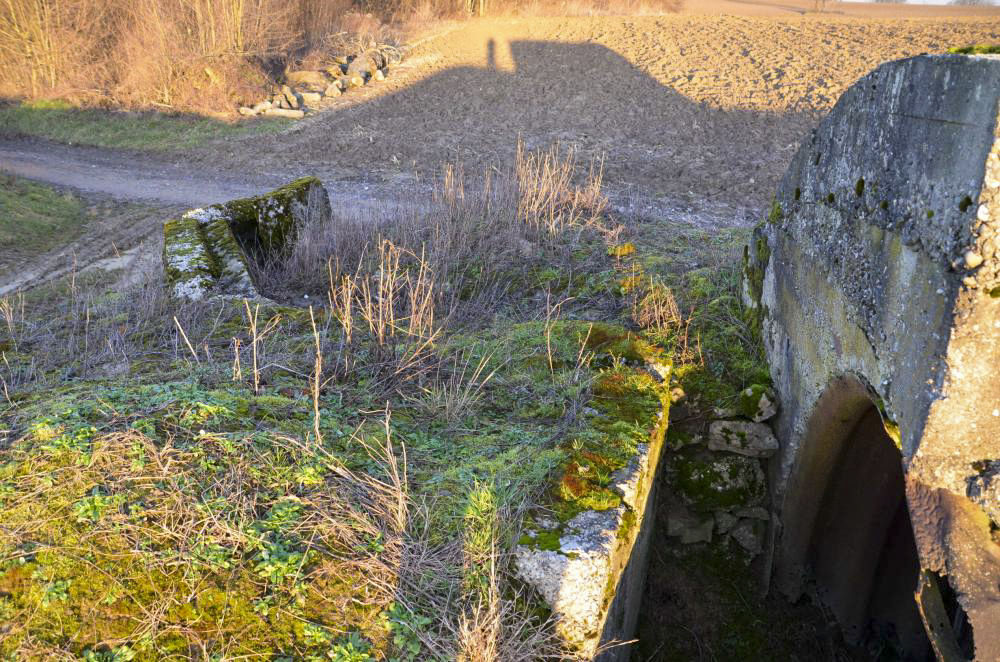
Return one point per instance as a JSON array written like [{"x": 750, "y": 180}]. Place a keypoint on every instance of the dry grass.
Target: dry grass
[
  {"x": 471, "y": 243},
  {"x": 272, "y": 517},
  {"x": 484, "y": 614},
  {"x": 189, "y": 55},
  {"x": 249, "y": 541},
  {"x": 394, "y": 282},
  {"x": 456, "y": 387}
]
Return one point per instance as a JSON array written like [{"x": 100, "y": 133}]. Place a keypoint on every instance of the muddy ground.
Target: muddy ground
[{"x": 681, "y": 108}]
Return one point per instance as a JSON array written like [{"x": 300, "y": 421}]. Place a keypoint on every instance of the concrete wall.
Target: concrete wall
[
  {"x": 877, "y": 277},
  {"x": 592, "y": 572}
]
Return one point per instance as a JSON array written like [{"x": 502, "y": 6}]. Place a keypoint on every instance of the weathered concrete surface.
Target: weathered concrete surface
[
  {"x": 593, "y": 576},
  {"x": 877, "y": 279},
  {"x": 211, "y": 251}
]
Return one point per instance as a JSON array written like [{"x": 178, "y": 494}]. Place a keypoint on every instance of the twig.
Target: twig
[
  {"x": 316, "y": 377},
  {"x": 186, "y": 341}
]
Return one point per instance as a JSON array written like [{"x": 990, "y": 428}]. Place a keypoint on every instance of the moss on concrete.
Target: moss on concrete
[
  {"x": 211, "y": 249},
  {"x": 719, "y": 482},
  {"x": 270, "y": 222},
  {"x": 188, "y": 265}
]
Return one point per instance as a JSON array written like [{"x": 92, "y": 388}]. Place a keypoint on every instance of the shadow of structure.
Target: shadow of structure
[{"x": 652, "y": 138}]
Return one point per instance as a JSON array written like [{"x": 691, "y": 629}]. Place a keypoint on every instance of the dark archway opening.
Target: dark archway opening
[{"x": 862, "y": 557}]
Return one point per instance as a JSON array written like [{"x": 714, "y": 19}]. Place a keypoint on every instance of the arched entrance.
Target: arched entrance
[{"x": 847, "y": 527}]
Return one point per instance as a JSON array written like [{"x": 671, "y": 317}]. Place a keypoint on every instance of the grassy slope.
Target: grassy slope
[
  {"x": 219, "y": 518},
  {"x": 155, "y": 505},
  {"x": 35, "y": 218},
  {"x": 279, "y": 563},
  {"x": 64, "y": 123},
  {"x": 179, "y": 482}
]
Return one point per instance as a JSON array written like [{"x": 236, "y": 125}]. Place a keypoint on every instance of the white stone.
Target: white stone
[
  {"x": 973, "y": 259},
  {"x": 573, "y": 580},
  {"x": 983, "y": 214},
  {"x": 311, "y": 99},
  {"x": 742, "y": 437}
]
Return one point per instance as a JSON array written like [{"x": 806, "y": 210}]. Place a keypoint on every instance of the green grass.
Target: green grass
[
  {"x": 64, "y": 123},
  {"x": 133, "y": 469},
  {"x": 155, "y": 505},
  {"x": 35, "y": 218},
  {"x": 720, "y": 349}
]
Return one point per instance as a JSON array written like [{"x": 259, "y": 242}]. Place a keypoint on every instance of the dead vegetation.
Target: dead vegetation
[
  {"x": 185, "y": 55},
  {"x": 395, "y": 282},
  {"x": 226, "y": 479}
]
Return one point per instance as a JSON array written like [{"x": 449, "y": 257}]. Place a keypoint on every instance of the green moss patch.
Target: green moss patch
[
  {"x": 269, "y": 222},
  {"x": 628, "y": 409},
  {"x": 976, "y": 49},
  {"x": 147, "y": 546},
  {"x": 719, "y": 482}
]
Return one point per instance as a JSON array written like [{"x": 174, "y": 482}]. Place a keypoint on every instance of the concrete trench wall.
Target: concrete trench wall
[
  {"x": 593, "y": 578},
  {"x": 212, "y": 251},
  {"x": 877, "y": 281}
]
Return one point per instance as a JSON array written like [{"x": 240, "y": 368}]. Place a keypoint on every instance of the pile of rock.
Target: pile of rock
[
  {"x": 719, "y": 483},
  {"x": 309, "y": 89}
]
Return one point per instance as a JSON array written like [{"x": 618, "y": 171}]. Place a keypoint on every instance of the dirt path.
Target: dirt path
[
  {"x": 148, "y": 177},
  {"x": 125, "y": 176},
  {"x": 130, "y": 196}
]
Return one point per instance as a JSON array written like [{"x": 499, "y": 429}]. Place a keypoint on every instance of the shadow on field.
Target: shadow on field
[{"x": 653, "y": 139}]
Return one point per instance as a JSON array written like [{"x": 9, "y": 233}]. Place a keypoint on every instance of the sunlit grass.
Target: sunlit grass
[
  {"x": 35, "y": 218},
  {"x": 65, "y": 123}
]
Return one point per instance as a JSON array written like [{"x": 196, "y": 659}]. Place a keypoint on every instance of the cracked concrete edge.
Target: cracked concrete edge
[{"x": 593, "y": 582}]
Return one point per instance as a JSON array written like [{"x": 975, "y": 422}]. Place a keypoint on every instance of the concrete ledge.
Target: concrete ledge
[
  {"x": 590, "y": 568},
  {"x": 210, "y": 251}
]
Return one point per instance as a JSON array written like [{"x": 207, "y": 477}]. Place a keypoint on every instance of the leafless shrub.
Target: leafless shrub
[
  {"x": 183, "y": 54},
  {"x": 654, "y": 307},
  {"x": 395, "y": 303},
  {"x": 472, "y": 242}
]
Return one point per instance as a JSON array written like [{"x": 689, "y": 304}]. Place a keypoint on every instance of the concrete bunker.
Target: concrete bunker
[
  {"x": 218, "y": 250},
  {"x": 876, "y": 277},
  {"x": 849, "y": 527}
]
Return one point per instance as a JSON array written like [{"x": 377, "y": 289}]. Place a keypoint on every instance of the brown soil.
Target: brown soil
[{"x": 688, "y": 106}]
